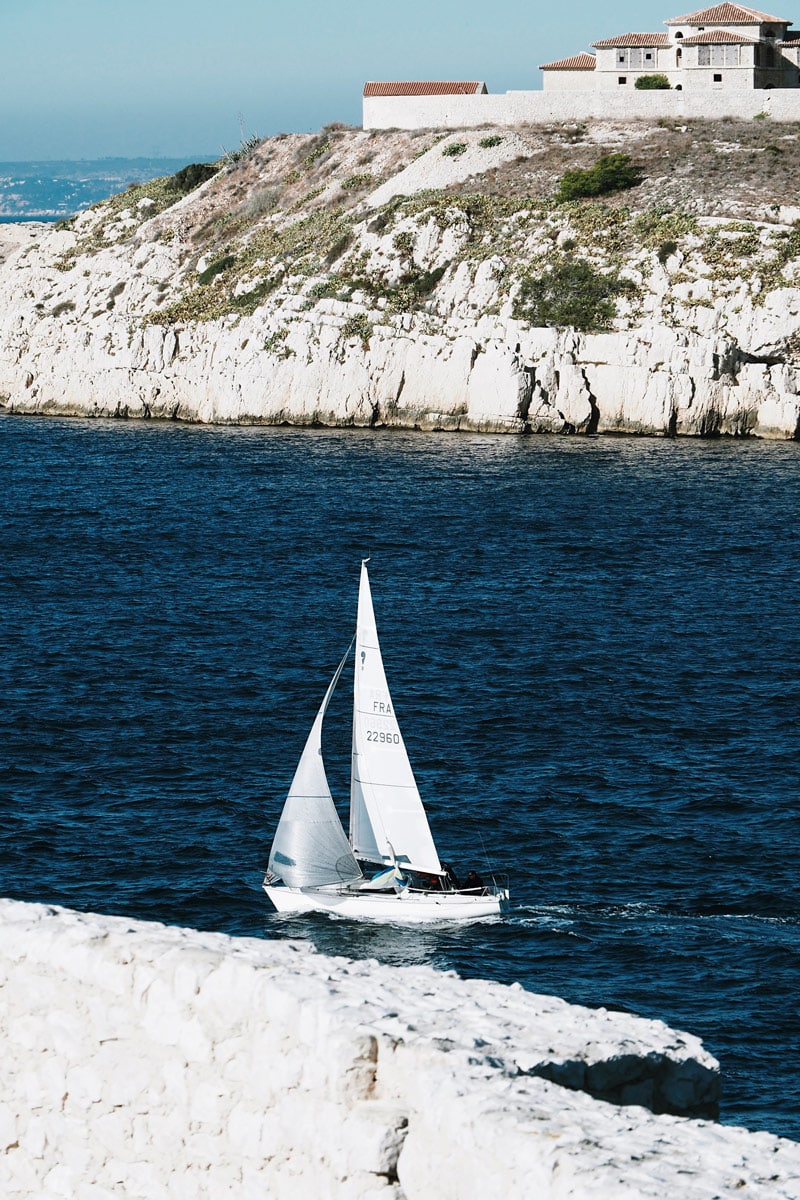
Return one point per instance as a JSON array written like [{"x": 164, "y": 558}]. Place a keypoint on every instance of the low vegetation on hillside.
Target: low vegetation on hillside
[
  {"x": 611, "y": 173},
  {"x": 577, "y": 225}
]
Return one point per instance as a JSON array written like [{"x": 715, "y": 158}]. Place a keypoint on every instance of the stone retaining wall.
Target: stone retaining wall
[{"x": 541, "y": 108}]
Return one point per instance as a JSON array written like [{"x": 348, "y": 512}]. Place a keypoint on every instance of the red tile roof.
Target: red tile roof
[
  {"x": 634, "y": 39},
  {"x": 425, "y": 88},
  {"x": 718, "y": 37},
  {"x": 727, "y": 14},
  {"x": 578, "y": 62}
]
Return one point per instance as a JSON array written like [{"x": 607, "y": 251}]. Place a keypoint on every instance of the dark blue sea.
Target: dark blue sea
[{"x": 593, "y": 649}]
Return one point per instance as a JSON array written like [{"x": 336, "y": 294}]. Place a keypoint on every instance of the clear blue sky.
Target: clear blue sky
[{"x": 94, "y": 78}]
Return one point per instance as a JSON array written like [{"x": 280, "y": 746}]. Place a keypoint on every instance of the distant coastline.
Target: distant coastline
[{"x": 54, "y": 190}]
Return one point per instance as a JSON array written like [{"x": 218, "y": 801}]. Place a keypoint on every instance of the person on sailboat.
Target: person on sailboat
[{"x": 450, "y": 877}]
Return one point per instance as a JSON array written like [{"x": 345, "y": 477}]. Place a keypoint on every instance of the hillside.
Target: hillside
[{"x": 428, "y": 280}]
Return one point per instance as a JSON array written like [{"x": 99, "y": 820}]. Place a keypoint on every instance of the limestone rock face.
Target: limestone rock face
[
  {"x": 397, "y": 310},
  {"x": 147, "y": 1061}
]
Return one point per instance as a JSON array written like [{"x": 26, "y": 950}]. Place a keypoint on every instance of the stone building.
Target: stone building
[
  {"x": 726, "y": 47},
  {"x": 724, "y": 61}
]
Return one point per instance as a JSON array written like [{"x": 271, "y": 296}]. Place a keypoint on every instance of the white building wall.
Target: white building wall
[
  {"x": 542, "y": 107},
  {"x": 667, "y": 59},
  {"x": 569, "y": 81},
  {"x": 738, "y": 80}
]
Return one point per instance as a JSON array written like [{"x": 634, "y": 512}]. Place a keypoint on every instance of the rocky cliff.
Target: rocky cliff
[
  {"x": 146, "y": 1061},
  {"x": 393, "y": 278}
]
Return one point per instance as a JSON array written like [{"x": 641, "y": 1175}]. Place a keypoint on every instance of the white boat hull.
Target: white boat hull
[{"x": 405, "y": 907}]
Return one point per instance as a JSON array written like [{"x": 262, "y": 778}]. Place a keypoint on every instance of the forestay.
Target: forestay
[
  {"x": 310, "y": 848},
  {"x": 387, "y": 820}
]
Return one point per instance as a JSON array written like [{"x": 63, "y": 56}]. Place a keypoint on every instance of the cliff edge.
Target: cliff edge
[
  {"x": 426, "y": 280},
  {"x": 148, "y": 1061}
]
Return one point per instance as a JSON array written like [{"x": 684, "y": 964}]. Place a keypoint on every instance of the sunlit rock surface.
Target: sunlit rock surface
[
  {"x": 146, "y": 1061},
  {"x": 335, "y": 280}
]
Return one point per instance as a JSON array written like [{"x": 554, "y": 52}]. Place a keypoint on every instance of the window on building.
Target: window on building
[
  {"x": 718, "y": 56},
  {"x": 636, "y": 57},
  {"x": 622, "y": 79},
  {"x": 678, "y": 36},
  {"x": 717, "y": 79}
]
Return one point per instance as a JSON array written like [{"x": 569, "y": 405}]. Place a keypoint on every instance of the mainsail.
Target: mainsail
[
  {"x": 387, "y": 820},
  {"x": 310, "y": 848}
]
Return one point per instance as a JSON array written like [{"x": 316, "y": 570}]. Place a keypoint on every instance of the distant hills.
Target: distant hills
[{"x": 50, "y": 190}]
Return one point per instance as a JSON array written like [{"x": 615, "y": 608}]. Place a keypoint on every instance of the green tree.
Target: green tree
[
  {"x": 652, "y": 83},
  {"x": 611, "y": 173},
  {"x": 572, "y": 294}
]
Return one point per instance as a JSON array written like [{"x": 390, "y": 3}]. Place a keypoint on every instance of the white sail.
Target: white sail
[
  {"x": 387, "y": 820},
  {"x": 310, "y": 848}
]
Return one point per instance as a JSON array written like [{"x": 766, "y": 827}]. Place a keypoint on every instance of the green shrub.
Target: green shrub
[
  {"x": 315, "y": 154},
  {"x": 248, "y": 146},
  {"x": 191, "y": 176},
  {"x": 276, "y": 344},
  {"x": 307, "y": 197},
  {"x": 415, "y": 285},
  {"x": 338, "y": 248},
  {"x": 248, "y": 302},
  {"x": 572, "y": 294},
  {"x": 325, "y": 288},
  {"x": 666, "y": 250},
  {"x": 453, "y": 149},
  {"x": 611, "y": 173},
  {"x": 360, "y": 326},
  {"x": 493, "y": 139},
  {"x": 215, "y": 268},
  {"x": 404, "y": 243},
  {"x": 354, "y": 182},
  {"x": 652, "y": 83}
]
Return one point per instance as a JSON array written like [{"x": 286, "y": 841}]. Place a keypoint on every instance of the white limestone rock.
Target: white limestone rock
[
  {"x": 703, "y": 355},
  {"x": 156, "y": 1061}
]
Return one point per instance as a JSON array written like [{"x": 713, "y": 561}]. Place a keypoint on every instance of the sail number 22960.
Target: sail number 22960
[{"x": 379, "y": 735}]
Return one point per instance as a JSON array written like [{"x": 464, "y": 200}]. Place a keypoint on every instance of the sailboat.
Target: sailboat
[{"x": 388, "y": 868}]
